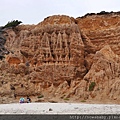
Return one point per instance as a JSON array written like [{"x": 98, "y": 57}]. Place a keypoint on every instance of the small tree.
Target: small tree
[{"x": 12, "y": 24}]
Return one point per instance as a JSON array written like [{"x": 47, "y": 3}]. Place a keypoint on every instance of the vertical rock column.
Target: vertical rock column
[{"x": 77, "y": 53}]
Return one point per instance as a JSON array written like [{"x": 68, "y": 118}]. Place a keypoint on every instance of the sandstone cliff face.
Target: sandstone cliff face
[
  {"x": 3, "y": 50},
  {"x": 105, "y": 73},
  {"x": 102, "y": 29},
  {"x": 62, "y": 58}
]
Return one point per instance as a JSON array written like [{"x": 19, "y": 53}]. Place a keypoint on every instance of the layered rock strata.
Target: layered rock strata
[
  {"x": 61, "y": 59},
  {"x": 102, "y": 29}
]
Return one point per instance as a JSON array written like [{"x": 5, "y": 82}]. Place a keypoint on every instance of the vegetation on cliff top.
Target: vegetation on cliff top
[
  {"x": 12, "y": 24},
  {"x": 100, "y": 13}
]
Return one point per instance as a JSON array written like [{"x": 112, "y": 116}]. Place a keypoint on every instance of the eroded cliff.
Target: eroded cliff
[{"x": 63, "y": 59}]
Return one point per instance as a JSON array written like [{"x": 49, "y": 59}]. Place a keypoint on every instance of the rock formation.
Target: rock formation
[
  {"x": 3, "y": 50},
  {"x": 102, "y": 29},
  {"x": 62, "y": 58}
]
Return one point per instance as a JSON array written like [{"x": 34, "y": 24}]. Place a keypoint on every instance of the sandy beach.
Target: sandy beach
[{"x": 59, "y": 108}]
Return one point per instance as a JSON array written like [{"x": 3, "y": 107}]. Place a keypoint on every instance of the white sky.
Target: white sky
[{"x": 34, "y": 11}]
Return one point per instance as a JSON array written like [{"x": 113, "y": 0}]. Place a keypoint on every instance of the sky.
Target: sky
[{"x": 34, "y": 11}]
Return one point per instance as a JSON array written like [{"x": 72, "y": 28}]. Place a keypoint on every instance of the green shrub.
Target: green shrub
[
  {"x": 12, "y": 24},
  {"x": 40, "y": 96},
  {"x": 83, "y": 101},
  {"x": 91, "y": 86},
  {"x": 66, "y": 98}
]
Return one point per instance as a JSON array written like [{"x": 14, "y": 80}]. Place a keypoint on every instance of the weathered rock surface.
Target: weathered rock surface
[
  {"x": 62, "y": 59},
  {"x": 3, "y": 50},
  {"x": 102, "y": 29},
  {"x": 105, "y": 72}
]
